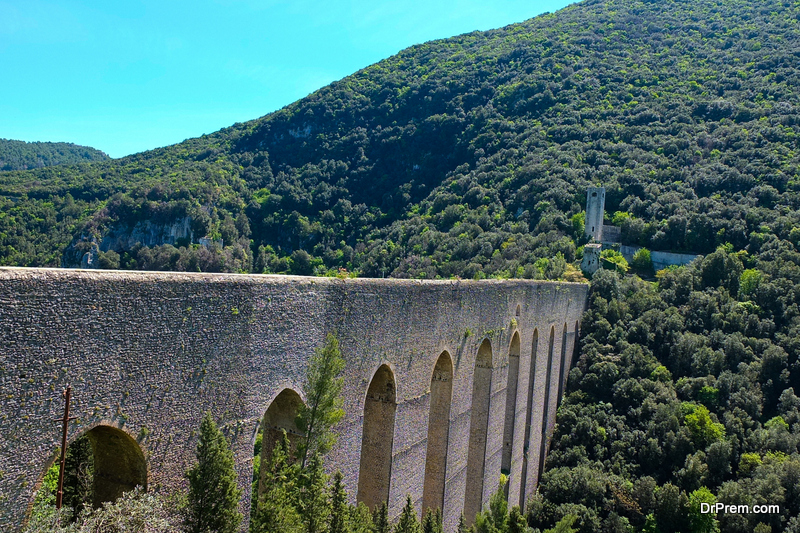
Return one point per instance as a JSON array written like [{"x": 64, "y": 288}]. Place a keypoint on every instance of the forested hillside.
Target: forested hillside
[
  {"x": 685, "y": 392},
  {"x": 21, "y": 155},
  {"x": 469, "y": 156}
]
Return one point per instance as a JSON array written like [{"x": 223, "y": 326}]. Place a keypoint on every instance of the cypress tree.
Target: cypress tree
[
  {"x": 339, "y": 509},
  {"x": 408, "y": 522},
  {"x": 498, "y": 506},
  {"x": 213, "y": 503},
  {"x": 79, "y": 475},
  {"x": 360, "y": 519},
  {"x": 314, "y": 505},
  {"x": 432, "y": 522},
  {"x": 276, "y": 510},
  {"x": 381, "y": 519}
]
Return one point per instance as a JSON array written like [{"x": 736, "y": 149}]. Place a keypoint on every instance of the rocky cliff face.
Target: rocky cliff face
[{"x": 83, "y": 251}]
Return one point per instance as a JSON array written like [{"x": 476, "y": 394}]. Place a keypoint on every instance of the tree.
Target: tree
[
  {"x": 301, "y": 263},
  {"x": 672, "y": 509},
  {"x": 749, "y": 282},
  {"x": 642, "y": 261},
  {"x": 213, "y": 495},
  {"x": 339, "y": 507},
  {"x": 498, "y": 506},
  {"x": 564, "y": 525},
  {"x": 276, "y": 508},
  {"x": 516, "y": 521},
  {"x": 314, "y": 506},
  {"x": 322, "y": 388},
  {"x": 703, "y": 429},
  {"x": 78, "y": 474},
  {"x": 408, "y": 522},
  {"x": 614, "y": 260},
  {"x": 381, "y": 519},
  {"x": 495, "y": 519},
  {"x": 578, "y": 225},
  {"x": 433, "y": 521},
  {"x": 360, "y": 519},
  {"x": 702, "y": 522}
]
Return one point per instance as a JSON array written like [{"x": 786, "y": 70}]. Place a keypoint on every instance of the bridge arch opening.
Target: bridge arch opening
[
  {"x": 524, "y": 489},
  {"x": 511, "y": 404},
  {"x": 478, "y": 429},
  {"x": 438, "y": 433},
  {"x": 119, "y": 464},
  {"x": 101, "y": 465},
  {"x": 565, "y": 363},
  {"x": 280, "y": 416},
  {"x": 375, "y": 471},
  {"x": 546, "y": 415}
]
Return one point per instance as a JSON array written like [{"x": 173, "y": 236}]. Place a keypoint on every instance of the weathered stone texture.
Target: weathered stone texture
[{"x": 149, "y": 353}]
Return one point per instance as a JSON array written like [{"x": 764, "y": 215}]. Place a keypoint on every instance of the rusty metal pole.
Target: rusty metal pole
[{"x": 62, "y": 463}]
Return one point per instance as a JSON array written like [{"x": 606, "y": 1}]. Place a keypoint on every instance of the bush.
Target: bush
[
  {"x": 642, "y": 261},
  {"x": 134, "y": 512},
  {"x": 614, "y": 260}
]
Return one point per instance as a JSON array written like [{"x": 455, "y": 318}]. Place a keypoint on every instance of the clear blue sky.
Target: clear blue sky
[{"x": 125, "y": 76}]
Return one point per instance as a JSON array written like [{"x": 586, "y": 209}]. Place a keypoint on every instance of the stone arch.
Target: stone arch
[
  {"x": 564, "y": 366},
  {"x": 529, "y": 419},
  {"x": 438, "y": 433},
  {"x": 375, "y": 470},
  {"x": 119, "y": 463},
  {"x": 511, "y": 404},
  {"x": 280, "y": 416},
  {"x": 478, "y": 429},
  {"x": 547, "y": 385}
]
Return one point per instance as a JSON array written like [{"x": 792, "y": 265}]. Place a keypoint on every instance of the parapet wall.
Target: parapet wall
[{"x": 149, "y": 353}]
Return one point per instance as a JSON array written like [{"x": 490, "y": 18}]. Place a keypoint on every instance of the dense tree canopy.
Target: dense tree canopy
[
  {"x": 469, "y": 156},
  {"x": 685, "y": 392},
  {"x": 21, "y": 155}
]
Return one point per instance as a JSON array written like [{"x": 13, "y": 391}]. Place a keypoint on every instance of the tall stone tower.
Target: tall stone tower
[{"x": 595, "y": 207}]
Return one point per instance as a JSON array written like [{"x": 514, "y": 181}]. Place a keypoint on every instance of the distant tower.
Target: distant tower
[
  {"x": 595, "y": 207},
  {"x": 591, "y": 257}
]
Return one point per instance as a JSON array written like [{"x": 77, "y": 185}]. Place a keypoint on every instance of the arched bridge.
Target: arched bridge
[{"x": 447, "y": 383}]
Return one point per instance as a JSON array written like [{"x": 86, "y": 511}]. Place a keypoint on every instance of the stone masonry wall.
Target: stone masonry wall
[{"x": 149, "y": 353}]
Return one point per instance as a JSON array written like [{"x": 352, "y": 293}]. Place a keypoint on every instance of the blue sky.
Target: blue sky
[{"x": 127, "y": 76}]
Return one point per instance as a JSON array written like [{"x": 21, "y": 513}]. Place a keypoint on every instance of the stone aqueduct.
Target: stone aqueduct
[{"x": 447, "y": 384}]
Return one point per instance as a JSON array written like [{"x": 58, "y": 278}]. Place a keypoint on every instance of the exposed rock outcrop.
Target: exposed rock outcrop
[{"x": 84, "y": 250}]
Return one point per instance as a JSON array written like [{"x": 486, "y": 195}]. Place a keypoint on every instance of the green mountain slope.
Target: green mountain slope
[
  {"x": 468, "y": 156},
  {"x": 21, "y": 155}
]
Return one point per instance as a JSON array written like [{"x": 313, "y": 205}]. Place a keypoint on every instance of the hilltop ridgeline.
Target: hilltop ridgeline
[
  {"x": 467, "y": 156},
  {"x": 21, "y": 155}
]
